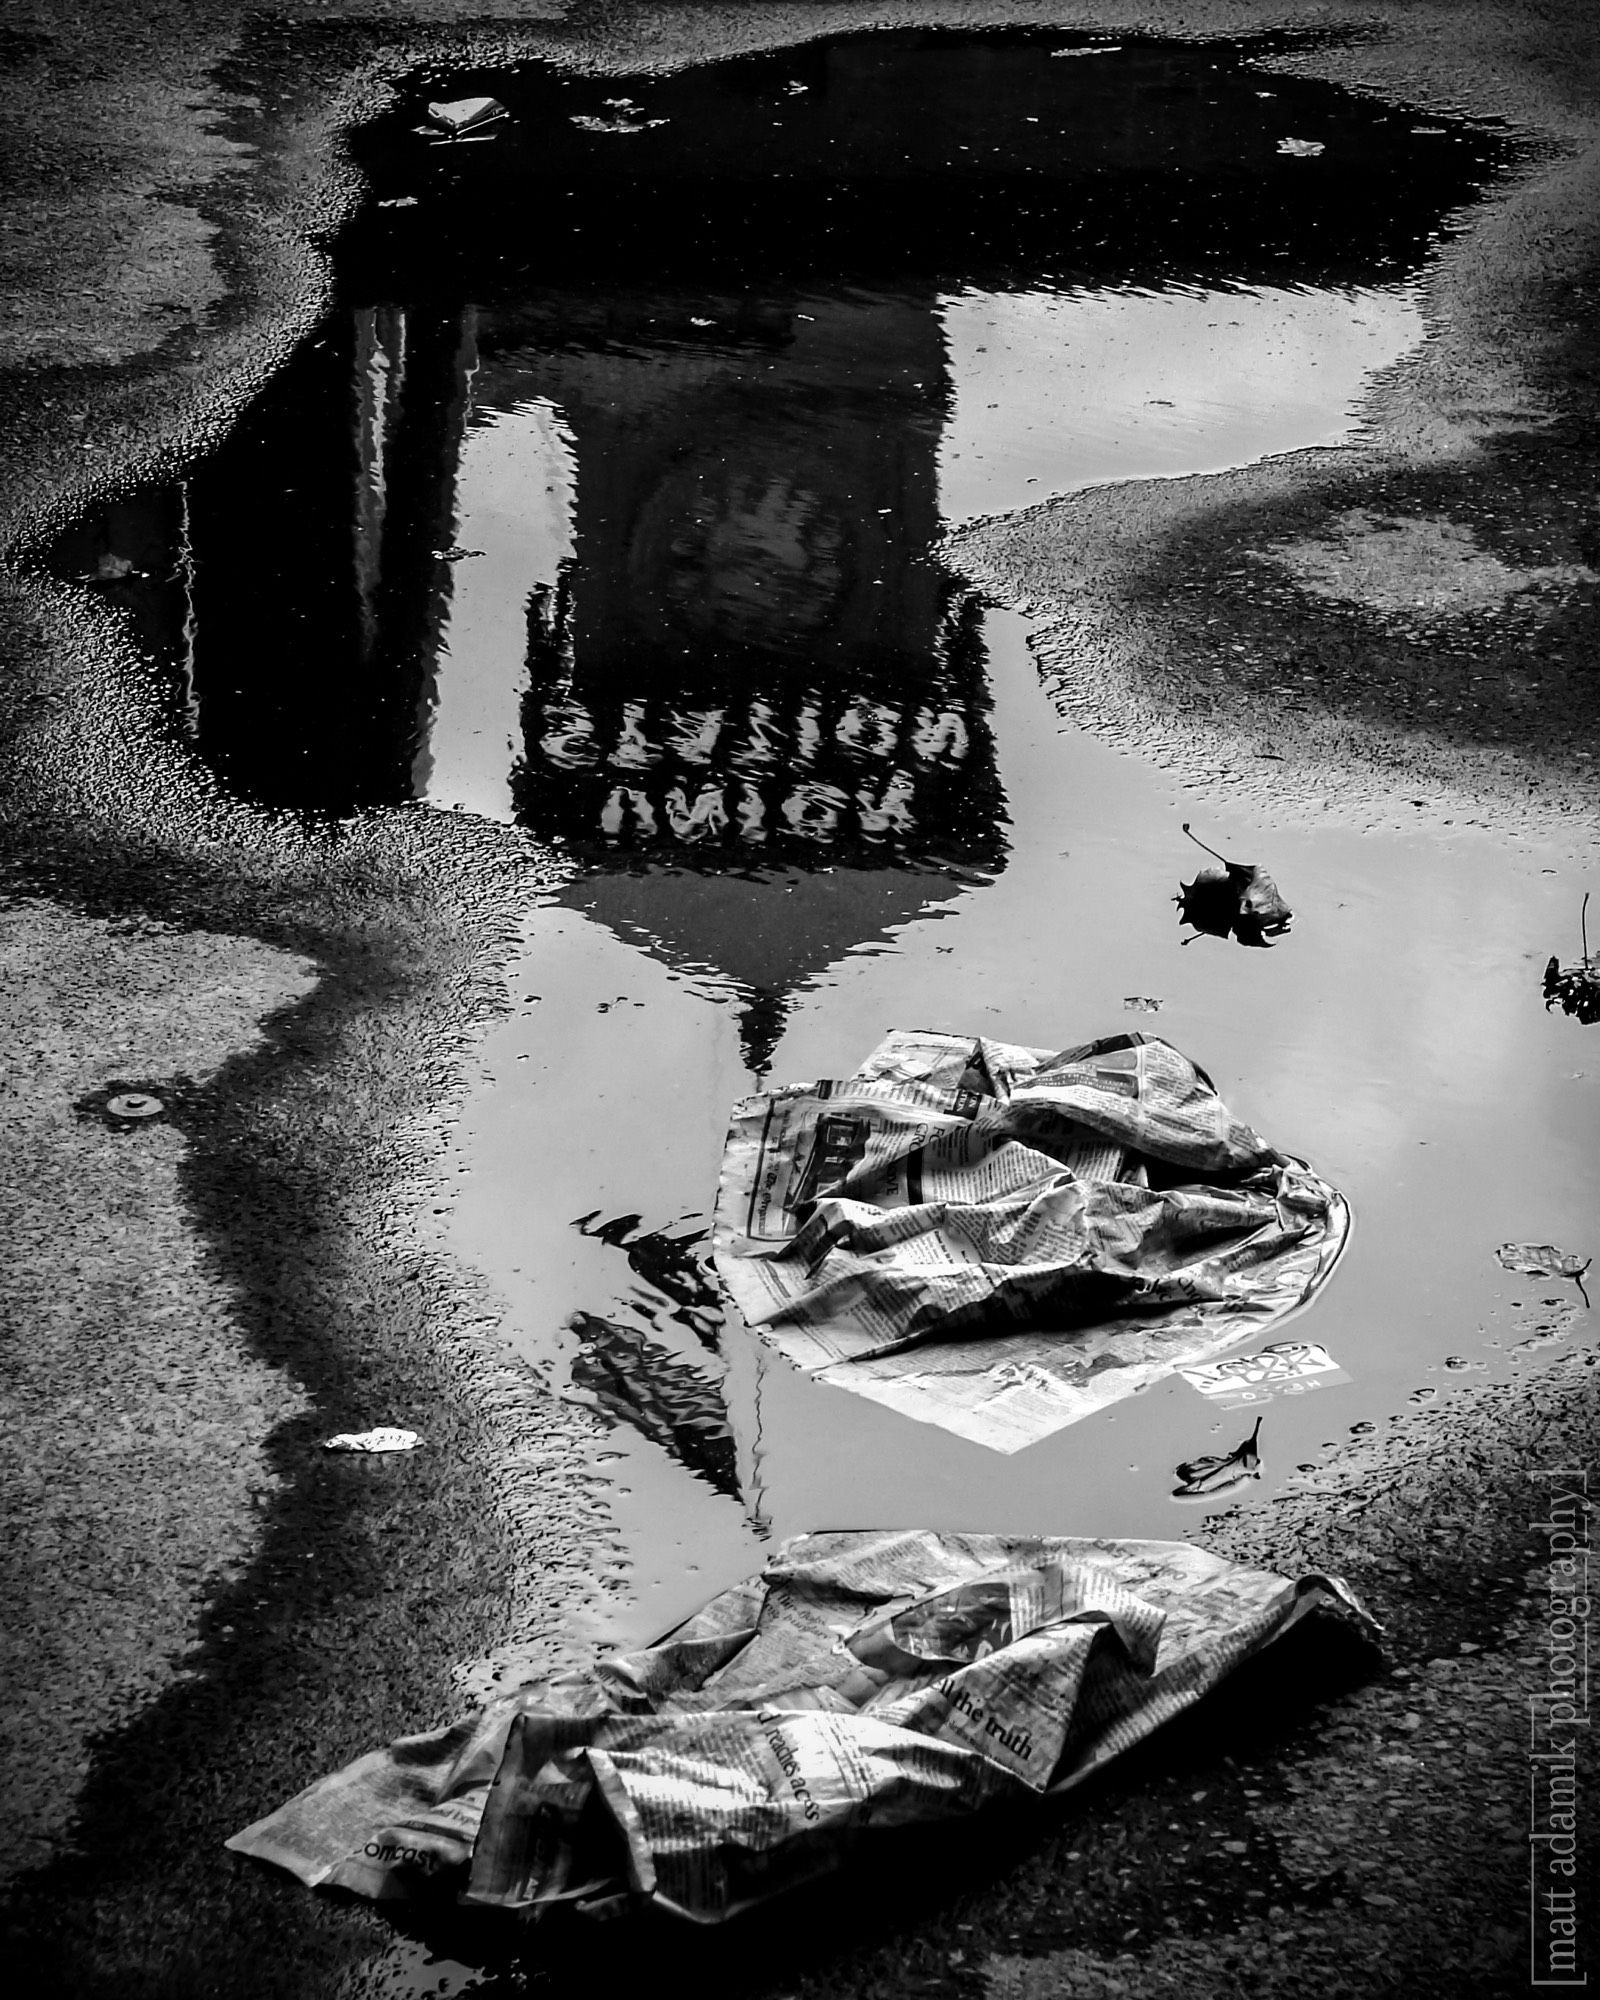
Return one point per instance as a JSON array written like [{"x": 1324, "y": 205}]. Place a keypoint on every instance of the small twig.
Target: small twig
[{"x": 1202, "y": 846}]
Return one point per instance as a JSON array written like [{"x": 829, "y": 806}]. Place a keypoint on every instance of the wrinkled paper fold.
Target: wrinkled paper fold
[
  {"x": 863, "y": 1680},
  {"x": 1002, "y": 1240}
]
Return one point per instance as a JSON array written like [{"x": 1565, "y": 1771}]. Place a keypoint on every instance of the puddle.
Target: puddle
[
  {"x": 604, "y": 505},
  {"x": 1396, "y": 1038},
  {"x": 669, "y": 385}
]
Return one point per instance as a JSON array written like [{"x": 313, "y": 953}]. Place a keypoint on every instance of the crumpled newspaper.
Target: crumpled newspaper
[
  {"x": 1001, "y": 1240},
  {"x": 865, "y": 1679}
]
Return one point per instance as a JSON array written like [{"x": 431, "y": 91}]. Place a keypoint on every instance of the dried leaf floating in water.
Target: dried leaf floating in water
[
  {"x": 1545, "y": 1260},
  {"x": 1237, "y": 900},
  {"x": 1576, "y": 987},
  {"x": 1218, "y": 1471}
]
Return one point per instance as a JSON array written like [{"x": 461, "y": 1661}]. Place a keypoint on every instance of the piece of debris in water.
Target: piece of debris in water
[
  {"x": 1202, "y": 1477},
  {"x": 466, "y": 117},
  {"x": 110, "y": 569},
  {"x": 1237, "y": 900},
  {"x": 1301, "y": 149},
  {"x": 1576, "y": 987},
  {"x": 1545, "y": 1260},
  {"x": 384, "y": 1438},
  {"x": 619, "y": 122},
  {"x": 1141, "y": 1003}
]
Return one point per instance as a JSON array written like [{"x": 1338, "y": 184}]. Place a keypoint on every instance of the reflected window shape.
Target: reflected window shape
[
  {"x": 813, "y": 810},
  {"x": 870, "y": 728},
  {"x": 632, "y": 749},
  {"x": 942, "y": 735}
]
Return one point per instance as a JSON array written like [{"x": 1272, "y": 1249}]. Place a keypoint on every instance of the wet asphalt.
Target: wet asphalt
[{"x": 206, "y": 1611}]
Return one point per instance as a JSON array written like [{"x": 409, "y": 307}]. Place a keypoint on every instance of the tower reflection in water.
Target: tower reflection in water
[
  {"x": 692, "y": 633},
  {"x": 634, "y": 547},
  {"x": 746, "y": 668}
]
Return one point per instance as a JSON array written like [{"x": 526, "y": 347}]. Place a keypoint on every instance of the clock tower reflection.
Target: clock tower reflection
[{"x": 749, "y": 667}]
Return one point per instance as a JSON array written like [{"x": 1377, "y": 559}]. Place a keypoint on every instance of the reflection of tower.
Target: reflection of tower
[
  {"x": 750, "y": 658},
  {"x": 770, "y": 927},
  {"x": 748, "y": 664},
  {"x": 308, "y": 674}
]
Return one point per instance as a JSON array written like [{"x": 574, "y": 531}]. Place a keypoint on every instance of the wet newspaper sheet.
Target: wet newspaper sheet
[
  {"x": 1001, "y": 1240},
  {"x": 863, "y": 1680}
]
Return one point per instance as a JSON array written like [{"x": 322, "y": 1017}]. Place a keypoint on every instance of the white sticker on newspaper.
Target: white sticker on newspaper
[{"x": 1287, "y": 1368}]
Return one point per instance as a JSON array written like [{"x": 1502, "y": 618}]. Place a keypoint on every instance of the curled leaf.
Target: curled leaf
[
  {"x": 1237, "y": 900},
  {"x": 1575, "y": 988},
  {"x": 1217, "y": 1472},
  {"x": 1544, "y": 1260}
]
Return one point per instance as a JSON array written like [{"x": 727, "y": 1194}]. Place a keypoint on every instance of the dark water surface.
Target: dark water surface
[{"x": 604, "y": 504}]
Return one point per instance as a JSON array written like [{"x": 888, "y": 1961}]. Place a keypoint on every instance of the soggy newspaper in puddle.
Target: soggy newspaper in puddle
[
  {"x": 1001, "y": 1240},
  {"x": 863, "y": 1680}
]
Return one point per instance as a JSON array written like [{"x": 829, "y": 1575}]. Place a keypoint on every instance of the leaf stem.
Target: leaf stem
[{"x": 1207, "y": 850}]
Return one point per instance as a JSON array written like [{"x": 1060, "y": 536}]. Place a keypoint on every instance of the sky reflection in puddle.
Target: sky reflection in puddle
[
  {"x": 1043, "y": 392},
  {"x": 1054, "y": 391}
]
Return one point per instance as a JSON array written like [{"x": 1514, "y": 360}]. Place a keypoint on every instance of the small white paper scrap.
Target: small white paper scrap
[{"x": 382, "y": 1439}]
